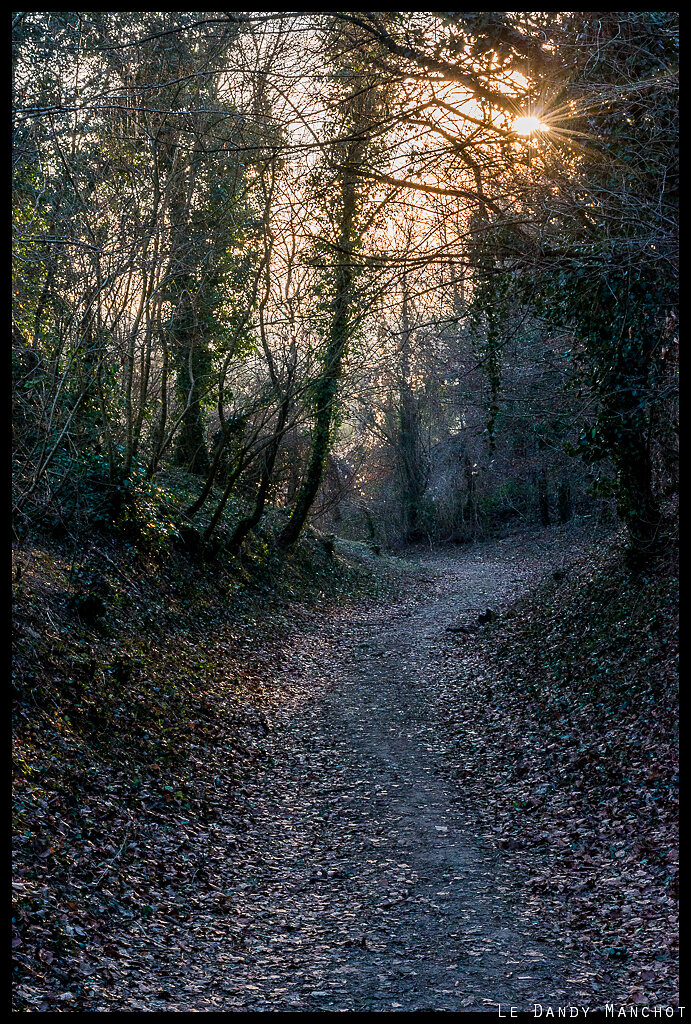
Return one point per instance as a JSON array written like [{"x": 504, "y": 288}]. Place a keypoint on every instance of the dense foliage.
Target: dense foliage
[{"x": 310, "y": 262}]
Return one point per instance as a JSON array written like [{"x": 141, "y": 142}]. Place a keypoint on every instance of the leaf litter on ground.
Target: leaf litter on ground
[{"x": 219, "y": 828}]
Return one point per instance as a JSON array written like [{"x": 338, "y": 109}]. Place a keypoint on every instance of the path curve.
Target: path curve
[{"x": 362, "y": 884}]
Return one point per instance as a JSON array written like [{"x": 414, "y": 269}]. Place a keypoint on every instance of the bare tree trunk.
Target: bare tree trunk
[
  {"x": 249, "y": 522},
  {"x": 410, "y": 455},
  {"x": 333, "y": 357}
]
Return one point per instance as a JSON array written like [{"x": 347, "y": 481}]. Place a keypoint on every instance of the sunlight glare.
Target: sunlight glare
[{"x": 528, "y": 125}]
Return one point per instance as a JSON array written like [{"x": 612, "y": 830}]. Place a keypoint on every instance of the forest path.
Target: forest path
[{"x": 361, "y": 884}]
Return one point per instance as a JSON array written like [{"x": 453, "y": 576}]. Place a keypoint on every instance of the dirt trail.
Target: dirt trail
[{"x": 360, "y": 884}]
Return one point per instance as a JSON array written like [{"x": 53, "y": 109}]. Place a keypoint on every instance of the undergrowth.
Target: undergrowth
[
  {"x": 139, "y": 701},
  {"x": 574, "y": 692}
]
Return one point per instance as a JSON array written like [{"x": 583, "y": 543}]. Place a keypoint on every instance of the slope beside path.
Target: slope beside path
[{"x": 360, "y": 883}]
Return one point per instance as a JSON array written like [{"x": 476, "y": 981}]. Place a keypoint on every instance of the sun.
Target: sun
[{"x": 528, "y": 125}]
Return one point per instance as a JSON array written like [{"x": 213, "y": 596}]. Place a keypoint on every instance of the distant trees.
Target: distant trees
[
  {"x": 582, "y": 233},
  {"x": 600, "y": 257},
  {"x": 248, "y": 247}
]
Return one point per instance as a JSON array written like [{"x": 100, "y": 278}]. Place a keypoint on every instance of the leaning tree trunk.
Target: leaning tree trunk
[
  {"x": 251, "y": 521},
  {"x": 361, "y": 113},
  {"x": 327, "y": 384}
]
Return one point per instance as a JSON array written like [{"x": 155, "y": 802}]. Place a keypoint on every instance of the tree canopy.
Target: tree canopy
[{"x": 398, "y": 271}]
